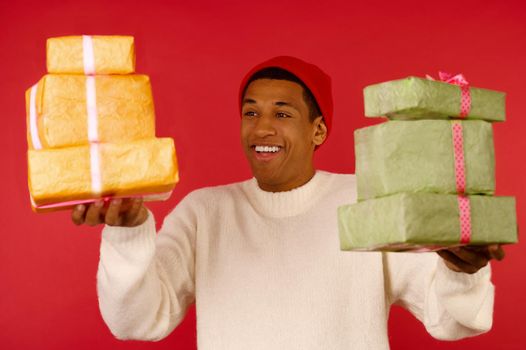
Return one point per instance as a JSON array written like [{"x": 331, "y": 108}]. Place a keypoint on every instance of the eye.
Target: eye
[
  {"x": 250, "y": 114},
  {"x": 282, "y": 115}
]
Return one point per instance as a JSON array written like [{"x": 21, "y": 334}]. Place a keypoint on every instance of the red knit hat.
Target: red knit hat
[{"x": 313, "y": 77}]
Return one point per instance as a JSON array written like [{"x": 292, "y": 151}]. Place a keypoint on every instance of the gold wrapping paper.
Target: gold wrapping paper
[
  {"x": 141, "y": 167},
  {"x": 125, "y": 110},
  {"x": 112, "y": 54}
]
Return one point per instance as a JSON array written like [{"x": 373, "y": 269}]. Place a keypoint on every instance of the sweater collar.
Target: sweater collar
[{"x": 287, "y": 203}]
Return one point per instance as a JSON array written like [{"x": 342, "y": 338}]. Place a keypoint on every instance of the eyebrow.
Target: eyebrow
[{"x": 277, "y": 103}]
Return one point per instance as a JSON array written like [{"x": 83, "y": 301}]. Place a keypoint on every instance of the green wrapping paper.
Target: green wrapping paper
[
  {"x": 417, "y": 98},
  {"x": 424, "y": 221},
  {"x": 418, "y": 155}
]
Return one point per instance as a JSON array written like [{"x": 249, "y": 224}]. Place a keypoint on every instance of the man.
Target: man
[{"x": 261, "y": 258}]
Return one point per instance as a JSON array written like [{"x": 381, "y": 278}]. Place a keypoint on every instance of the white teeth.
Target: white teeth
[{"x": 267, "y": 148}]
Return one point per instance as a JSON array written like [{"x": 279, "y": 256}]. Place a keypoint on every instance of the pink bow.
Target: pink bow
[{"x": 460, "y": 80}]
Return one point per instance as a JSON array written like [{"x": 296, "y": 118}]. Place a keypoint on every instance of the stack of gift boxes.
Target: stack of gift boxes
[
  {"x": 426, "y": 177},
  {"x": 91, "y": 127}
]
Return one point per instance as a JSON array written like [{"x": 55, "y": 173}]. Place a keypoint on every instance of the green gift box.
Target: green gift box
[
  {"x": 417, "y": 98},
  {"x": 424, "y": 221},
  {"x": 418, "y": 155}
]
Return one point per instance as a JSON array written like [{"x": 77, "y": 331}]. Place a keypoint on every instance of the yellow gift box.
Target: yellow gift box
[
  {"x": 109, "y": 54},
  {"x": 60, "y": 178},
  {"x": 123, "y": 107}
]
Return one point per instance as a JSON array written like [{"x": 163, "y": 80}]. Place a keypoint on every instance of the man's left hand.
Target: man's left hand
[{"x": 470, "y": 259}]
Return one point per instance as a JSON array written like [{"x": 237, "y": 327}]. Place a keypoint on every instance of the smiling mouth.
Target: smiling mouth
[
  {"x": 266, "y": 149},
  {"x": 265, "y": 152}
]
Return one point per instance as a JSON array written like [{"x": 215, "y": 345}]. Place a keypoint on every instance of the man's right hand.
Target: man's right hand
[{"x": 125, "y": 212}]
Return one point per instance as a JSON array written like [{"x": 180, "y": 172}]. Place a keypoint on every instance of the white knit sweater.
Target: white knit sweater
[{"x": 266, "y": 272}]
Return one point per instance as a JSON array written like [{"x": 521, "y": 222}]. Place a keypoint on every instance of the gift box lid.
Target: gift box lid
[
  {"x": 91, "y": 54},
  {"x": 419, "y": 98}
]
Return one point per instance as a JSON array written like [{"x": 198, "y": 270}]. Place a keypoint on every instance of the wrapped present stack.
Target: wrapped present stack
[
  {"x": 91, "y": 127},
  {"x": 426, "y": 177}
]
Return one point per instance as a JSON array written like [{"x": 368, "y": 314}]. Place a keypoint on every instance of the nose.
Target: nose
[{"x": 265, "y": 126}]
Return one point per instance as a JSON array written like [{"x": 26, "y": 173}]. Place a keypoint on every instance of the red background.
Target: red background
[{"x": 196, "y": 54}]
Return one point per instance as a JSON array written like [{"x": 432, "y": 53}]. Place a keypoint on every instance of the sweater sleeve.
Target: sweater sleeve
[
  {"x": 451, "y": 305},
  {"x": 146, "y": 282}
]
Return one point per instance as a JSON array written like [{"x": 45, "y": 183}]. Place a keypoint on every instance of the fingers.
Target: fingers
[
  {"x": 77, "y": 215},
  {"x": 93, "y": 214},
  {"x": 492, "y": 251},
  {"x": 113, "y": 217},
  {"x": 455, "y": 263},
  {"x": 120, "y": 212},
  {"x": 470, "y": 259},
  {"x": 135, "y": 213},
  {"x": 450, "y": 260},
  {"x": 471, "y": 256},
  {"x": 496, "y": 251}
]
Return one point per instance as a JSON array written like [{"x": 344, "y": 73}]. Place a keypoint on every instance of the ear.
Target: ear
[{"x": 320, "y": 131}]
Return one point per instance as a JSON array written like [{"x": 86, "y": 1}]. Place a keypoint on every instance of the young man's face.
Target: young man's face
[{"x": 277, "y": 135}]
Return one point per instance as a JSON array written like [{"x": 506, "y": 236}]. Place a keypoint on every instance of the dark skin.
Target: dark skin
[
  {"x": 127, "y": 212},
  {"x": 470, "y": 259},
  {"x": 276, "y": 115}
]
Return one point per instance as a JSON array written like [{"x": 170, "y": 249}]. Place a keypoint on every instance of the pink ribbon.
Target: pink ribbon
[
  {"x": 464, "y": 207},
  {"x": 465, "y": 218},
  {"x": 465, "y": 95},
  {"x": 465, "y": 100},
  {"x": 460, "y": 180},
  {"x": 146, "y": 197},
  {"x": 458, "y": 150}
]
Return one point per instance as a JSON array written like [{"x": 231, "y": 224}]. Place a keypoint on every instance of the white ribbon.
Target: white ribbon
[
  {"x": 32, "y": 201},
  {"x": 91, "y": 108},
  {"x": 33, "y": 126},
  {"x": 96, "y": 182},
  {"x": 93, "y": 135},
  {"x": 87, "y": 55}
]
